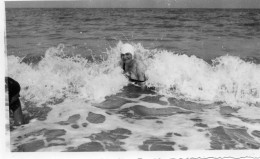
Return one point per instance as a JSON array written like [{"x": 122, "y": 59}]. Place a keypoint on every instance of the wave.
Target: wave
[
  {"x": 227, "y": 79},
  {"x": 58, "y": 76}
]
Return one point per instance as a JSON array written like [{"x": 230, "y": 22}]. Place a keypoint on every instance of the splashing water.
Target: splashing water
[
  {"x": 57, "y": 76},
  {"x": 229, "y": 79}
]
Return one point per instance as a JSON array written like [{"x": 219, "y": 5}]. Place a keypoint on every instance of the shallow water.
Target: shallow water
[
  {"x": 139, "y": 121},
  {"x": 73, "y": 104}
]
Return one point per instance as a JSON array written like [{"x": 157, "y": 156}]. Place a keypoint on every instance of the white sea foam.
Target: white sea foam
[
  {"x": 57, "y": 76},
  {"x": 229, "y": 79}
]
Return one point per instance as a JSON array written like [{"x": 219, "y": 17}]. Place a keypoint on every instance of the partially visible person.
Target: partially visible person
[
  {"x": 14, "y": 102},
  {"x": 133, "y": 68}
]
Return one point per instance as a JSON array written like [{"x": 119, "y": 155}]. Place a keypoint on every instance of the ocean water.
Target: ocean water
[
  {"x": 206, "y": 33},
  {"x": 202, "y": 67}
]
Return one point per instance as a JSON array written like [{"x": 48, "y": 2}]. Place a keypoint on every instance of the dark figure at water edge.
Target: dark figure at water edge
[
  {"x": 133, "y": 68},
  {"x": 14, "y": 102}
]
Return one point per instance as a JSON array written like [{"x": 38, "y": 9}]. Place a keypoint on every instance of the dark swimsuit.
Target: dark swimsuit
[{"x": 132, "y": 80}]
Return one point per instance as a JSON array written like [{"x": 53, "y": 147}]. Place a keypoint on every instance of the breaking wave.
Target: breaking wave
[{"x": 228, "y": 79}]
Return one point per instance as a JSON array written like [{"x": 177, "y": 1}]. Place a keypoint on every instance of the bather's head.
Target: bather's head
[{"x": 127, "y": 52}]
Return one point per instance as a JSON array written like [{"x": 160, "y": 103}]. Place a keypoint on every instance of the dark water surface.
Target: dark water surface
[{"x": 206, "y": 33}]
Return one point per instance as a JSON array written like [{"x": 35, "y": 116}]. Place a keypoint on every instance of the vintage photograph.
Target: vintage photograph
[{"x": 132, "y": 75}]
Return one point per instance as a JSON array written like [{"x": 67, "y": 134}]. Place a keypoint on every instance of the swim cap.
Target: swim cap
[{"x": 127, "y": 48}]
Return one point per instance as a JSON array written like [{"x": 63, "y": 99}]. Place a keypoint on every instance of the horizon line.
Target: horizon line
[{"x": 122, "y": 8}]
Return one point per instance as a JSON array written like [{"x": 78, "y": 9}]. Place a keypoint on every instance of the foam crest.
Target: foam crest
[
  {"x": 57, "y": 76},
  {"x": 229, "y": 79}
]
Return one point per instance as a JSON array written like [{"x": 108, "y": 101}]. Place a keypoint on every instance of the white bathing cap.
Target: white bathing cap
[{"x": 127, "y": 48}]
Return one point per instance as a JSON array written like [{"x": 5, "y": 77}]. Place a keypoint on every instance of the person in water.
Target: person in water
[
  {"x": 133, "y": 68},
  {"x": 14, "y": 88}
]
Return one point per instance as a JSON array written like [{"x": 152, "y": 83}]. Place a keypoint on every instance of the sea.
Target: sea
[{"x": 203, "y": 87}]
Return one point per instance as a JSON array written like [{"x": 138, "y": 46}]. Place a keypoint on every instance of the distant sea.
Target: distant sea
[{"x": 205, "y": 33}]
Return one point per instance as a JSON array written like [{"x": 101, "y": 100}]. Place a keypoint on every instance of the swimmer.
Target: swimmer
[
  {"x": 133, "y": 68},
  {"x": 14, "y": 88}
]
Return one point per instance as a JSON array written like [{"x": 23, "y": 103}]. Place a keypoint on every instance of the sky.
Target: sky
[{"x": 135, "y": 4}]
